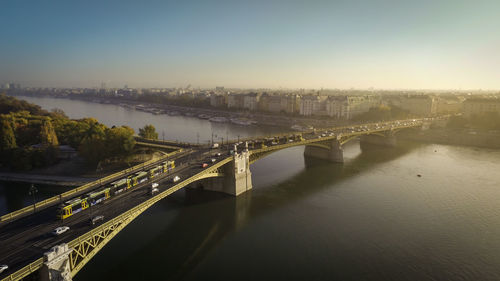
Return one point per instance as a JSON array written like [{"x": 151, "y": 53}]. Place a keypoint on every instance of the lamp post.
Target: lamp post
[{"x": 32, "y": 191}]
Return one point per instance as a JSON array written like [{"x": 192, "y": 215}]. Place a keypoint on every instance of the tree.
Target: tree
[
  {"x": 7, "y": 137},
  {"x": 119, "y": 141},
  {"x": 58, "y": 113},
  {"x": 148, "y": 132},
  {"x": 93, "y": 149},
  {"x": 48, "y": 135},
  {"x": 93, "y": 144}
]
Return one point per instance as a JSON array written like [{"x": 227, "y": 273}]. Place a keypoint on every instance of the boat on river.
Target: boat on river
[{"x": 218, "y": 119}]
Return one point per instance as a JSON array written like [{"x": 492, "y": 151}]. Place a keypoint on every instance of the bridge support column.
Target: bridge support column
[
  {"x": 238, "y": 176},
  {"x": 237, "y": 179},
  {"x": 389, "y": 140},
  {"x": 334, "y": 154},
  {"x": 56, "y": 265}
]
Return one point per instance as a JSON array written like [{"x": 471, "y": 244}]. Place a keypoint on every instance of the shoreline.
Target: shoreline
[{"x": 259, "y": 118}]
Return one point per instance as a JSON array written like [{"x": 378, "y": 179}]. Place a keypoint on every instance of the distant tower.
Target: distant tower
[{"x": 103, "y": 85}]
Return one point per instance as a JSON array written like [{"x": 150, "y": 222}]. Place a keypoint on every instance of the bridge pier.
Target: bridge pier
[
  {"x": 334, "y": 154},
  {"x": 56, "y": 265},
  {"x": 237, "y": 179},
  {"x": 389, "y": 140}
]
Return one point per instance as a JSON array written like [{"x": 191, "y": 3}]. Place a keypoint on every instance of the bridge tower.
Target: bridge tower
[
  {"x": 237, "y": 177},
  {"x": 56, "y": 266}
]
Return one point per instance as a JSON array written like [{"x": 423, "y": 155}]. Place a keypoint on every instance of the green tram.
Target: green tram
[{"x": 95, "y": 197}]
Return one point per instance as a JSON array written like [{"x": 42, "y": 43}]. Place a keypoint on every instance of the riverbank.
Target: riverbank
[{"x": 240, "y": 117}]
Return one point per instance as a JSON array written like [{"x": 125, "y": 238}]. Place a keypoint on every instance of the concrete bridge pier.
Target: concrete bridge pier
[
  {"x": 389, "y": 140},
  {"x": 334, "y": 154},
  {"x": 56, "y": 265}
]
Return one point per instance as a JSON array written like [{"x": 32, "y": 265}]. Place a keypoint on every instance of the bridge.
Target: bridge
[{"x": 28, "y": 247}]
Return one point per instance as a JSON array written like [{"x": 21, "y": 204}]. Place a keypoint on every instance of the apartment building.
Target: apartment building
[{"x": 479, "y": 105}]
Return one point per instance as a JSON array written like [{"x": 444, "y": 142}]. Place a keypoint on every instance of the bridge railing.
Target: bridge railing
[
  {"x": 66, "y": 195},
  {"x": 165, "y": 142},
  {"x": 324, "y": 129},
  {"x": 25, "y": 271}
]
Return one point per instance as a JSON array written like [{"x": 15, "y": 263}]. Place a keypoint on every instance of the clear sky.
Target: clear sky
[{"x": 435, "y": 44}]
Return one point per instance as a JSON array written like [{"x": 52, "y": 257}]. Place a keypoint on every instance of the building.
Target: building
[
  {"x": 346, "y": 107},
  {"x": 218, "y": 100},
  {"x": 251, "y": 101},
  {"x": 313, "y": 105},
  {"x": 338, "y": 107},
  {"x": 274, "y": 104},
  {"x": 478, "y": 106},
  {"x": 290, "y": 103},
  {"x": 449, "y": 104},
  {"x": 235, "y": 101},
  {"x": 416, "y": 105}
]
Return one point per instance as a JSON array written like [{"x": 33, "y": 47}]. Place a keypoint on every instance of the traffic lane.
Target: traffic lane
[
  {"x": 35, "y": 243},
  {"x": 97, "y": 186},
  {"x": 29, "y": 222},
  {"x": 38, "y": 242}
]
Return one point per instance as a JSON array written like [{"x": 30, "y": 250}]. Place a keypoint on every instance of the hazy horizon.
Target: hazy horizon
[{"x": 387, "y": 45}]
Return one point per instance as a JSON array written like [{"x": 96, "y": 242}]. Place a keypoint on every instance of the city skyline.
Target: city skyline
[{"x": 272, "y": 44}]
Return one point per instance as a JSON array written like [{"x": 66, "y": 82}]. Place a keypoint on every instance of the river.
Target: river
[{"x": 371, "y": 218}]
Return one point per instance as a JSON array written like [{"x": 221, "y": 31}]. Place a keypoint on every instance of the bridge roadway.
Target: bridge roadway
[{"x": 25, "y": 240}]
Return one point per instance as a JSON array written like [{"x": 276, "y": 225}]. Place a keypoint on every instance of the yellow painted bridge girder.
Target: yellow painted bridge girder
[{"x": 320, "y": 142}]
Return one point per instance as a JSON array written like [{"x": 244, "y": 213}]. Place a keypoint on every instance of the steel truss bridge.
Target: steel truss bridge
[{"x": 230, "y": 167}]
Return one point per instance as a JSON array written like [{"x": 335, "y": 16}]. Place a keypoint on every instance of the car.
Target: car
[
  {"x": 217, "y": 154},
  {"x": 176, "y": 179},
  {"x": 96, "y": 219},
  {"x": 3, "y": 267},
  {"x": 213, "y": 160},
  {"x": 154, "y": 190},
  {"x": 204, "y": 165},
  {"x": 290, "y": 140},
  {"x": 60, "y": 230},
  {"x": 154, "y": 184}
]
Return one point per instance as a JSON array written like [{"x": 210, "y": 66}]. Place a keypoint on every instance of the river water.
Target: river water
[{"x": 371, "y": 218}]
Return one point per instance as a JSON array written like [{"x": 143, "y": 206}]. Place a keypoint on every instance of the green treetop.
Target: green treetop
[{"x": 148, "y": 132}]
